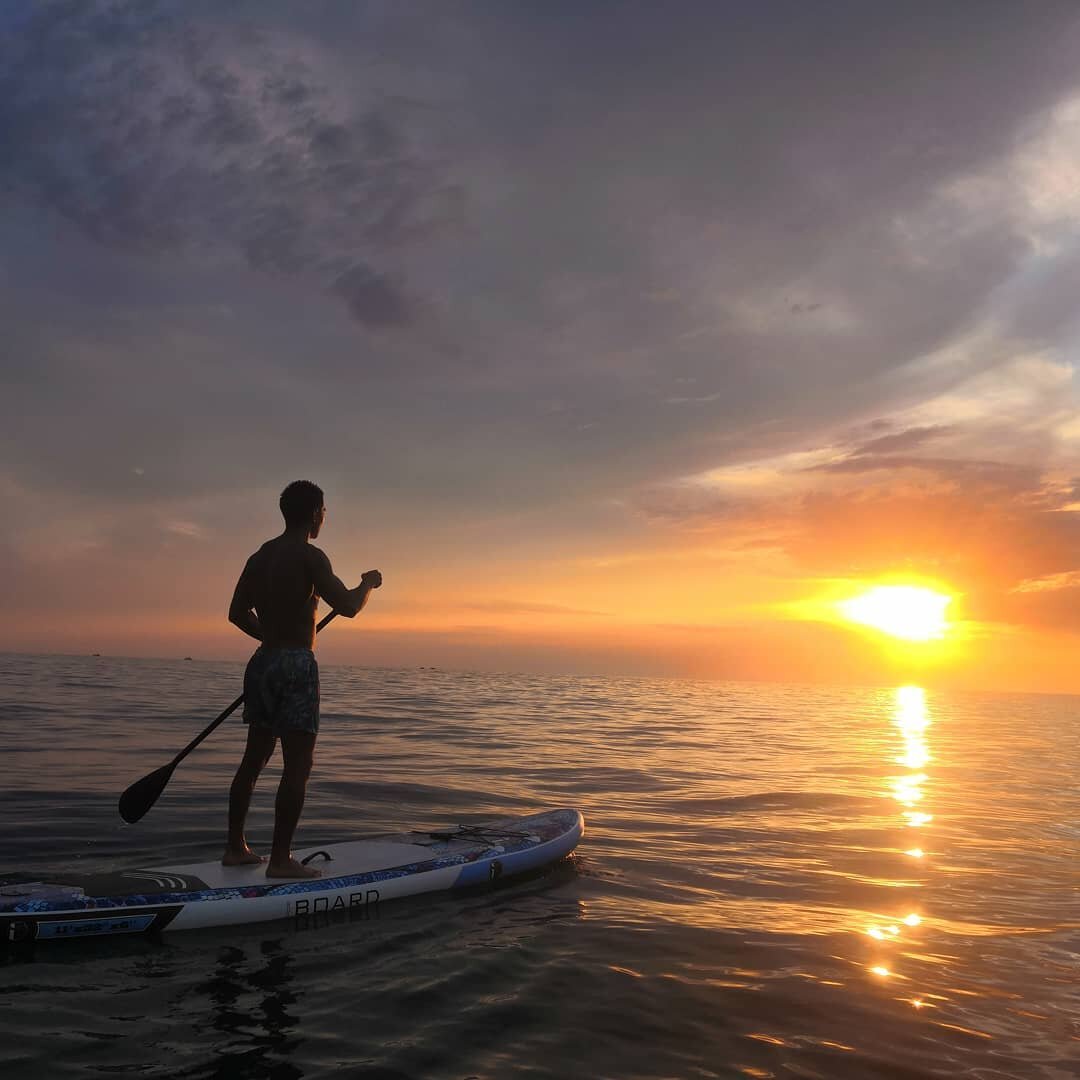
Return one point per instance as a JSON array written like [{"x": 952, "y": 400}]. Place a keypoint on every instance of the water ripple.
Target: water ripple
[{"x": 774, "y": 880}]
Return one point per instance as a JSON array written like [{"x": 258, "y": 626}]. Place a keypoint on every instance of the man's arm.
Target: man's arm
[
  {"x": 241, "y": 610},
  {"x": 345, "y": 601}
]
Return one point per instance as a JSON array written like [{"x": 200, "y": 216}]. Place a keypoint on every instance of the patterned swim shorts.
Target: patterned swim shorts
[{"x": 281, "y": 691}]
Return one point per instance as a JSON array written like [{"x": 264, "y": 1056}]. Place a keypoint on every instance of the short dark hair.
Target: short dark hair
[{"x": 299, "y": 502}]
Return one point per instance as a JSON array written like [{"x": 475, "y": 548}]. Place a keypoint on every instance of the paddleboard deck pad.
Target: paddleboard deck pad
[{"x": 356, "y": 876}]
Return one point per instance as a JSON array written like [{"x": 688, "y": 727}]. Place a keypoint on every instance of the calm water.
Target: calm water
[{"x": 775, "y": 881}]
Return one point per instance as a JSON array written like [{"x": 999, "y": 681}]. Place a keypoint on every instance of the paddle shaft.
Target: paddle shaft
[{"x": 222, "y": 717}]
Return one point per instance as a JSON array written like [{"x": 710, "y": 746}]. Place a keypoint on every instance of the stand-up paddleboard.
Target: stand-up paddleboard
[{"x": 357, "y": 875}]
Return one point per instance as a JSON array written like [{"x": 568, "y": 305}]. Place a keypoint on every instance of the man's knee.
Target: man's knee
[
  {"x": 295, "y": 773},
  {"x": 298, "y": 753},
  {"x": 252, "y": 765},
  {"x": 259, "y": 749}
]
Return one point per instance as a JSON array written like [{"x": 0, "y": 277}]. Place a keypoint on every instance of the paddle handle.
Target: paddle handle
[{"x": 226, "y": 713}]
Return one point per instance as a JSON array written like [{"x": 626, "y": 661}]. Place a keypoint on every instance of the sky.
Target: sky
[{"x": 623, "y": 338}]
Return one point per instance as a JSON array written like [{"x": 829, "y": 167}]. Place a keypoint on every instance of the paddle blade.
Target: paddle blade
[{"x": 144, "y": 793}]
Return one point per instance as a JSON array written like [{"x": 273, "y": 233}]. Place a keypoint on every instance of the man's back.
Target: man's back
[{"x": 278, "y": 583}]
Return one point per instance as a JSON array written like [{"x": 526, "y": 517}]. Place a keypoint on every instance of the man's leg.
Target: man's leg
[
  {"x": 298, "y": 750},
  {"x": 260, "y": 745}
]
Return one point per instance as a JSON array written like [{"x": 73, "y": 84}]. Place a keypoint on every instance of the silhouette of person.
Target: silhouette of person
[{"x": 275, "y": 601}]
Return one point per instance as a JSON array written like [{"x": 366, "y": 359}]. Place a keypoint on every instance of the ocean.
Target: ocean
[{"x": 775, "y": 881}]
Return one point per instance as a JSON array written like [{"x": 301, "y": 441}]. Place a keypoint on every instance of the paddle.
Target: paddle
[{"x": 142, "y": 795}]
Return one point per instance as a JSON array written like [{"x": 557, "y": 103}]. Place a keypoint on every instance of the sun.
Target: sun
[{"x": 910, "y": 612}]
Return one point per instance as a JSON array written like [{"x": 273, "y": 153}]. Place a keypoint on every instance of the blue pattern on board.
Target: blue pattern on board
[{"x": 548, "y": 828}]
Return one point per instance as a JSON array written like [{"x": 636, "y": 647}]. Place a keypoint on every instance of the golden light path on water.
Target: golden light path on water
[{"x": 911, "y": 718}]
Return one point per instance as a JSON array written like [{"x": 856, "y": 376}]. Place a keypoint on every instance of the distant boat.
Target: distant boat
[
  {"x": 187, "y": 657},
  {"x": 95, "y": 654}
]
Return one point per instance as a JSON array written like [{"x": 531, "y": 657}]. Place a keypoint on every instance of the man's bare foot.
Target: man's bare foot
[
  {"x": 243, "y": 857},
  {"x": 292, "y": 868}
]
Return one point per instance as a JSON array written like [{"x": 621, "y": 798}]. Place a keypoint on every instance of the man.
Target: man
[{"x": 275, "y": 602}]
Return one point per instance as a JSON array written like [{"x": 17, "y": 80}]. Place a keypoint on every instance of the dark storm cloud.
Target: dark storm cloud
[{"x": 159, "y": 131}]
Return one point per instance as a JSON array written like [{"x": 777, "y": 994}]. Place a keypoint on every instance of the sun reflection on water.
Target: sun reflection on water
[{"x": 912, "y": 719}]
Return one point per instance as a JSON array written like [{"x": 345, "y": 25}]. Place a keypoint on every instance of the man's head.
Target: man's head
[{"x": 302, "y": 506}]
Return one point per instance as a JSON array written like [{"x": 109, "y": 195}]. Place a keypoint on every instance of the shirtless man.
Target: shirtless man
[{"x": 275, "y": 602}]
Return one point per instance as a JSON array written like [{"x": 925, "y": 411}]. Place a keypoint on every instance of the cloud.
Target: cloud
[
  {"x": 192, "y": 530},
  {"x": 902, "y": 440},
  {"x": 999, "y": 536},
  {"x": 976, "y": 487},
  {"x": 373, "y": 300},
  {"x": 1050, "y": 583},
  {"x": 160, "y": 133}
]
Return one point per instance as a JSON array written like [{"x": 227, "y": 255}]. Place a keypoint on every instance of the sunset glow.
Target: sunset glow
[
  {"x": 909, "y": 612},
  {"x": 747, "y": 437}
]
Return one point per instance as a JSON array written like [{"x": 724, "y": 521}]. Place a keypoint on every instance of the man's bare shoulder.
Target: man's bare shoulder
[
  {"x": 264, "y": 552},
  {"x": 315, "y": 556}
]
